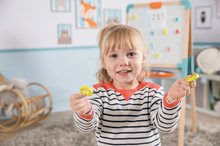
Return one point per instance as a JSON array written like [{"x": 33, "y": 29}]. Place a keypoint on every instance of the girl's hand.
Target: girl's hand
[
  {"x": 80, "y": 103},
  {"x": 179, "y": 89}
]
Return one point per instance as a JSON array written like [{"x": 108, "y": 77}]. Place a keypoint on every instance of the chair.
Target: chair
[{"x": 19, "y": 109}]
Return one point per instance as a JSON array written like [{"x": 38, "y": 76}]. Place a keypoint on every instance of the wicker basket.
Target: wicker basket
[{"x": 26, "y": 110}]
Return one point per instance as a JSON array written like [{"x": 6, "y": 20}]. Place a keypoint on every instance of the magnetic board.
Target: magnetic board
[{"x": 165, "y": 30}]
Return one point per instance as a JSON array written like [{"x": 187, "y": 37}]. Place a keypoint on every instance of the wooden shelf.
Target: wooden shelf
[
  {"x": 207, "y": 95},
  {"x": 210, "y": 77},
  {"x": 205, "y": 111}
]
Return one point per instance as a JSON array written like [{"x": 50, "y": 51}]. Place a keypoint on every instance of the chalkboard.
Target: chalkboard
[{"x": 165, "y": 29}]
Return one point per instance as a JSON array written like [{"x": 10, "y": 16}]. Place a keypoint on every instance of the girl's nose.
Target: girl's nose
[{"x": 124, "y": 61}]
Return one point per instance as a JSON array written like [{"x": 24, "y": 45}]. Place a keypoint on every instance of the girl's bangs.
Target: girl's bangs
[{"x": 120, "y": 40}]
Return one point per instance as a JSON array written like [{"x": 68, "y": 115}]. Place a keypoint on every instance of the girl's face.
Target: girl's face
[{"x": 124, "y": 66}]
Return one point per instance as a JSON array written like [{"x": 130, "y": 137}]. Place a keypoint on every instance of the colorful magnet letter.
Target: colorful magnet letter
[
  {"x": 192, "y": 77},
  {"x": 157, "y": 55},
  {"x": 152, "y": 33},
  {"x": 86, "y": 90},
  {"x": 168, "y": 49},
  {"x": 133, "y": 17},
  {"x": 151, "y": 45},
  {"x": 165, "y": 31},
  {"x": 176, "y": 19},
  {"x": 177, "y": 31}
]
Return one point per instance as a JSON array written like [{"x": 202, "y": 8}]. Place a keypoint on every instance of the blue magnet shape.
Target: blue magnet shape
[
  {"x": 177, "y": 19},
  {"x": 152, "y": 33}
]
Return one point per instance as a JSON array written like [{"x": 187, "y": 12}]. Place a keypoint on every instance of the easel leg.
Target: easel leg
[
  {"x": 182, "y": 123},
  {"x": 193, "y": 111}
]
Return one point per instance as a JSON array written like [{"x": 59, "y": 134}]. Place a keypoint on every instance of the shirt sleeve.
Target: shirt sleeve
[
  {"x": 164, "y": 115},
  {"x": 86, "y": 123}
]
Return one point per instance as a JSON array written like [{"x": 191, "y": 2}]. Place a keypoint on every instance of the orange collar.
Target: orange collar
[{"x": 126, "y": 93}]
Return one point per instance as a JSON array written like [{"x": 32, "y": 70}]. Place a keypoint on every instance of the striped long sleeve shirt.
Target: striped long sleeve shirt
[{"x": 129, "y": 117}]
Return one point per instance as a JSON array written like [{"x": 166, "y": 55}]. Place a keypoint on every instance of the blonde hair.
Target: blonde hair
[{"x": 117, "y": 36}]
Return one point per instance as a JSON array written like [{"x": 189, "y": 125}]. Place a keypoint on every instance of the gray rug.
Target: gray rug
[{"x": 59, "y": 130}]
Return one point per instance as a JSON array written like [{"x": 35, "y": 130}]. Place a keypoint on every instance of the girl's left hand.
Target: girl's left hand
[{"x": 179, "y": 89}]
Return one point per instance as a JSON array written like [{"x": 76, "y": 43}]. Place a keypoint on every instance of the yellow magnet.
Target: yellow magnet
[
  {"x": 165, "y": 31},
  {"x": 86, "y": 90},
  {"x": 157, "y": 55},
  {"x": 192, "y": 77},
  {"x": 133, "y": 17}
]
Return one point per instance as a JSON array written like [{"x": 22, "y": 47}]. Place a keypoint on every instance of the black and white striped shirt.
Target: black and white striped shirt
[{"x": 129, "y": 117}]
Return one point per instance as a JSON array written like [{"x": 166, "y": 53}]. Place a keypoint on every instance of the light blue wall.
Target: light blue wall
[{"x": 62, "y": 70}]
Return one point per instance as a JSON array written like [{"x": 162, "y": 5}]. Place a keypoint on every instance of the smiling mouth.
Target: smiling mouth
[{"x": 124, "y": 71}]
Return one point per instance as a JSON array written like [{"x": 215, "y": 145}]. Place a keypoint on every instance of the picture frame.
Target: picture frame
[
  {"x": 218, "y": 8},
  {"x": 64, "y": 34},
  {"x": 60, "y": 6},
  {"x": 88, "y": 14},
  {"x": 203, "y": 17},
  {"x": 112, "y": 16}
]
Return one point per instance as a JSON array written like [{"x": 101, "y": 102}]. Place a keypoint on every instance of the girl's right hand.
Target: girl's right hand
[{"x": 80, "y": 103}]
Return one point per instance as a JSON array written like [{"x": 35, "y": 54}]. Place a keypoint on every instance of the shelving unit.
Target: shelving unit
[
  {"x": 205, "y": 111},
  {"x": 210, "y": 77},
  {"x": 203, "y": 92}
]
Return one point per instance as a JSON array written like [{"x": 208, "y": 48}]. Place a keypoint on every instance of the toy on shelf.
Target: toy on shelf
[{"x": 22, "y": 104}]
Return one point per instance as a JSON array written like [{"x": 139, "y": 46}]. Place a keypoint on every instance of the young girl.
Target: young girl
[{"x": 123, "y": 108}]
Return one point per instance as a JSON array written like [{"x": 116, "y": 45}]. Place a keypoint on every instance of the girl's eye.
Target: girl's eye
[
  {"x": 131, "y": 54},
  {"x": 113, "y": 56}
]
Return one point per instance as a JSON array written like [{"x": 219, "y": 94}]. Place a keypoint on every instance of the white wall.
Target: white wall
[
  {"x": 206, "y": 35},
  {"x": 62, "y": 70},
  {"x": 31, "y": 24}
]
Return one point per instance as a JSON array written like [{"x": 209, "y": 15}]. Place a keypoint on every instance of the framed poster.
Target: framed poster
[
  {"x": 88, "y": 13},
  {"x": 60, "y": 5},
  {"x": 218, "y": 8},
  {"x": 111, "y": 15},
  {"x": 203, "y": 17},
  {"x": 64, "y": 33}
]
